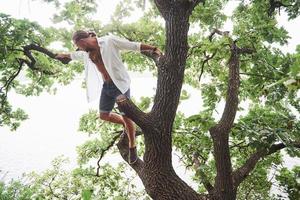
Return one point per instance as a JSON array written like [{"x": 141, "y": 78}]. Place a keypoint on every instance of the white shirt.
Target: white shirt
[{"x": 110, "y": 47}]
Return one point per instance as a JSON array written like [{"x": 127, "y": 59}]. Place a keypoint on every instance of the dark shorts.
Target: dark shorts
[{"x": 108, "y": 96}]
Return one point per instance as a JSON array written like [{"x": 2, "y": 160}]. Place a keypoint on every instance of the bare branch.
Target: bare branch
[
  {"x": 51, "y": 189},
  {"x": 103, "y": 151},
  {"x": 217, "y": 31},
  {"x": 43, "y": 50},
  {"x": 207, "y": 58},
  {"x": 239, "y": 145},
  {"x": 8, "y": 83},
  {"x": 109, "y": 146},
  {"x": 231, "y": 104},
  {"x": 192, "y": 49},
  {"x": 220, "y": 132},
  {"x": 12, "y": 77},
  {"x": 246, "y": 50},
  {"x": 258, "y": 75},
  {"x": 276, "y": 4},
  {"x": 241, "y": 173}
]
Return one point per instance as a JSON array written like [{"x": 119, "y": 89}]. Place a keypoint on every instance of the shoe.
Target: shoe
[{"x": 132, "y": 157}]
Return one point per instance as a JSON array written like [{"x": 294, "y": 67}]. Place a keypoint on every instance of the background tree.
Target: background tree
[{"x": 231, "y": 156}]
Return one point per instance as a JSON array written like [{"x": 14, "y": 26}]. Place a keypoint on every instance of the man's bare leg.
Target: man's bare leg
[
  {"x": 130, "y": 129},
  {"x": 125, "y": 121},
  {"x": 112, "y": 117}
]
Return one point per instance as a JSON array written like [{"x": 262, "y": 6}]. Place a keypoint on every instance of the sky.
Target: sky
[{"x": 52, "y": 129}]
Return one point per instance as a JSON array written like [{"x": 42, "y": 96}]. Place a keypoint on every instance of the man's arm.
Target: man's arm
[
  {"x": 124, "y": 44},
  {"x": 76, "y": 55},
  {"x": 66, "y": 58}
]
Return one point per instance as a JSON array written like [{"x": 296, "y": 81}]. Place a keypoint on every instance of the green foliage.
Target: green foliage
[
  {"x": 289, "y": 181},
  {"x": 60, "y": 183},
  {"x": 188, "y": 133},
  {"x": 15, "y": 34},
  {"x": 210, "y": 15},
  {"x": 75, "y": 12},
  {"x": 258, "y": 184}
]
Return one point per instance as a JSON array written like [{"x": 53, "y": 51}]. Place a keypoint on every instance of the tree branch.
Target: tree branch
[
  {"x": 207, "y": 58},
  {"x": 163, "y": 6},
  {"x": 126, "y": 106},
  {"x": 43, "y": 50},
  {"x": 12, "y": 77},
  {"x": 231, "y": 104},
  {"x": 258, "y": 75},
  {"x": 106, "y": 149},
  {"x": 51, "y": 189},
  {"x": 276, "y": 4},
  {"x": 241, "y": 173},
  {"x": 217, "y": 31},
  {"x": 8, "y": 83},
  {"x": 220, "y": 132}
]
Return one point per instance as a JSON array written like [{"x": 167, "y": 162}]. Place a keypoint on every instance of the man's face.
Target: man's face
[{"x": 81, "y": 44}]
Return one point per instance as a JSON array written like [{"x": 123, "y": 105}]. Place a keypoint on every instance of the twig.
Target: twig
[
  {"x": 207, "y": 58},
  {"x": 258, "y": 75},
  {"x": 106, "y": 149}
]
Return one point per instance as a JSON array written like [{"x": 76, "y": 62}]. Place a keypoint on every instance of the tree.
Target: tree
[{"x": 241, "y": 66}]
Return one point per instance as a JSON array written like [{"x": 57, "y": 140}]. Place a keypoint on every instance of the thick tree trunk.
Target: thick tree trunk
[
  {"x": 156, "y": 170},
  {"x": 158, "y": 177}
]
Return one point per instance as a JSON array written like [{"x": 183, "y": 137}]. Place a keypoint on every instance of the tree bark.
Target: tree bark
[
  {"x": 156, "y": 170},
  {"x": 224, "y": 188},
  {"x": 241, "y": 173}
]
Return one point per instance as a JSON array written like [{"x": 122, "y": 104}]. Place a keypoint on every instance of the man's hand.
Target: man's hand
[
  {"x": 157, "y": 51},
  {"x": 151, "y": 51},
  {"x": 64, "y": 58}
]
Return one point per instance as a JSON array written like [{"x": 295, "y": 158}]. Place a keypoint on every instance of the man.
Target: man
[{"x": 103, "y": 55}]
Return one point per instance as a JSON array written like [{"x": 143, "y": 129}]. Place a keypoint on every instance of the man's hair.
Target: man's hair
[{"x": 78, "y": 35}]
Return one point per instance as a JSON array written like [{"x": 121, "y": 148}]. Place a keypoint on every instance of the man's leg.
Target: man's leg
[
  {"x": 125, "y": 121},
  {"x": 129, "y": 127},
  {"x": 107, "y": 100},
  {"x": 130, "y": 130},
  {"x": 112, "y": 117}
]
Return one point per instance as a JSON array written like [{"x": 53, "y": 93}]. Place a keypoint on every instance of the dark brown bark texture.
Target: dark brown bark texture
[{"x": 156, "y": 170}]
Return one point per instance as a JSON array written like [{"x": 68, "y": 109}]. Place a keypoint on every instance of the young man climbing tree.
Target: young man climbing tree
[{"x": 103, "y": 55}]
